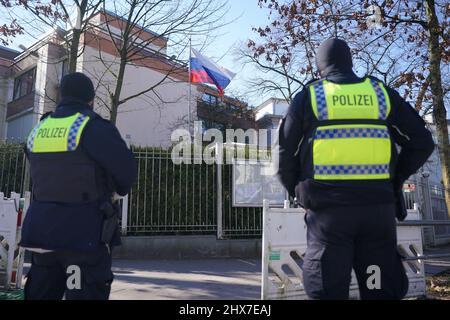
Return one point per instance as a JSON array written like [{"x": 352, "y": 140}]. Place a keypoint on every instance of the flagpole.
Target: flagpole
[{"x": 190, "y": 92}]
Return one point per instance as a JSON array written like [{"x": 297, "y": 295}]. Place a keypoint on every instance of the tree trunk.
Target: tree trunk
[
  {"x": 439, "y": 112},
  {"x": 115, "y": 97},
  {"x": 73, "y": 50},
  {"x": 76, "y": 34}
]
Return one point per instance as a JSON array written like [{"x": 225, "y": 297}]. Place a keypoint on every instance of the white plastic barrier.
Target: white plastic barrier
[
  {"x": 11, "y": 255},
  {"x": 284, "y": 243}
]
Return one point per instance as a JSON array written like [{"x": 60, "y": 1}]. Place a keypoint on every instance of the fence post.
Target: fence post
[
  {"x": 219, "y": 160},
  {"x": 124, "y": 224},
  {"x": 26, "y": 178},
  {"x": 424, "y": 199}
]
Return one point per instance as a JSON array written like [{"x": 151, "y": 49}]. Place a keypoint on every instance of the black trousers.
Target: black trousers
[
  {"x": 73, "y": 275},
  {"x": 344, "y": 238}
]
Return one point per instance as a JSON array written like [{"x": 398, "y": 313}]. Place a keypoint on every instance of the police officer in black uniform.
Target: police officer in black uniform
[
  {"x": 77, "y": 161},
  {"x": 351, "y": 206}
]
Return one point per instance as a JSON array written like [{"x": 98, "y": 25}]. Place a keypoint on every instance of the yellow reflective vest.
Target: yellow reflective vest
[
  {"x": 57, "y": 134},
  {"x": 351, "y": 140}
]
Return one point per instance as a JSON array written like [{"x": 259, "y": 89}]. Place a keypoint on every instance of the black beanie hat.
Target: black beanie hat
[
  {"x": 334, "y": 54},
  {"x": 77, "y": 85}
]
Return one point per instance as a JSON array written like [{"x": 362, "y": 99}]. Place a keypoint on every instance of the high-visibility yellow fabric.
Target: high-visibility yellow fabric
[
  {"x": 346, "y": 145},
  {"x": 57, "y": 134},
  {"x": 349, "y": 101},
  {"x": 350, "y": 151}
]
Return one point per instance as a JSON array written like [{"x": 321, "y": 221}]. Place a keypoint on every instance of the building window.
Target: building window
[
  {"x": 209, "y": 124},
  {"x": 24, "y": 84},
  {"x": 210, "y": 99}
]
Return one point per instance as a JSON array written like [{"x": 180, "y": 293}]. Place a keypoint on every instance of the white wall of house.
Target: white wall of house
[
  {"x": 280, "y": 107},
  {"x": 433, "y": 165},
  {"x": 272, "y": 106},
  {"x": 267, "y": 109}
]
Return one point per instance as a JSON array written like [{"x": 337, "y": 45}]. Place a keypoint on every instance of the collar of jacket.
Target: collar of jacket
[
  {"x": 73, "y": 102},
  {"x": 68, "y": 106},
  {"x": 341, "y": 76}
]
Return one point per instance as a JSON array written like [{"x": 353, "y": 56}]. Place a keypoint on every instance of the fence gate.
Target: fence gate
[
  {"x": 284, "y": 244},
  {"x": 12, "y": 212}
]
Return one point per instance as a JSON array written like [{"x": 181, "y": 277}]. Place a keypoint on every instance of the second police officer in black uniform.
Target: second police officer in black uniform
[{"x": 338, "y": 156}]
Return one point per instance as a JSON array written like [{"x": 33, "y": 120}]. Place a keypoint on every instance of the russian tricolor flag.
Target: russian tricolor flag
[{"x": 203, "y": 70}]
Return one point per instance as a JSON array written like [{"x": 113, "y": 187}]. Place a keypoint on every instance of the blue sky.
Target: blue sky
[{"x": 250, "y": 15}]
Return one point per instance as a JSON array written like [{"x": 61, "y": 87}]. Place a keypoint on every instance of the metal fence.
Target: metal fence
[
  {"x": 431, "y": 200},
  {"x": 170, "y": 199},
  {"x": 184, "y": 199},
  {"x": 12, "y": 168}
]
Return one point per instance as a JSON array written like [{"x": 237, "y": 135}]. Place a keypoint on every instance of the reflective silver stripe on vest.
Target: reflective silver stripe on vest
[
  {"x": 352, "y": 133},
  {"x": 321, "y": 102},
  {"x": 73, "y": 132},
  {"x": 351, "y": 169},
  {"x": 32, "y": 136},
  {"x": 382, "y": 104}
]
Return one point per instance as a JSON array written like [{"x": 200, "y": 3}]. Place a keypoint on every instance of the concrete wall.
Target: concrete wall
[
  {"x": 280, "y": 108},
  {"x": 267, "y": 109},
  {"x": 186, "y": 247}
]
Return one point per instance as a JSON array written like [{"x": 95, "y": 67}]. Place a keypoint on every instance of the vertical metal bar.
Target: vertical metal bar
[
  {"x": 214, "y": 185},
  {"x": 145, "y": 186},
  {"x": 219, "y": 158},
  {"x": 15, "y": 171},
  {"x": 230, "y": 209},
  {"x": 166, "y": 160},
  {"x": 200, "y": 196},
  {"x": 193, "y": 191},
  {"x": 173, "y": 196},
  {"x": 9, "y": 173},
  {"x": 153, "y": 187},
  {"x": 186, "y": 196},
  {"x": 179, "y": 194},
  {"x": 130, "y": 200},
  {"x": 138, "y": 191},
  {"x": 206, "y": 194},
  {"x": 159, "y": 191},
  {"x": 23, "y": 175},
  {"x": 3, "y": 171},
  {"x": 124, "y": 225}
]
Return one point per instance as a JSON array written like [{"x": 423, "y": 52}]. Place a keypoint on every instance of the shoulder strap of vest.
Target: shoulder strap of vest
[
  {"x": 376, "y": 79},
  {"x": 312, "y": 82},
  {"x": 90, "y": 113}
]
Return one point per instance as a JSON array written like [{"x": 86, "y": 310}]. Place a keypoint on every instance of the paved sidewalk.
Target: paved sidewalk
[
  {"x": 189, "y": 279},
  {"x": 237, "y": 279},
  {"x": 437, "y": 265}
]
